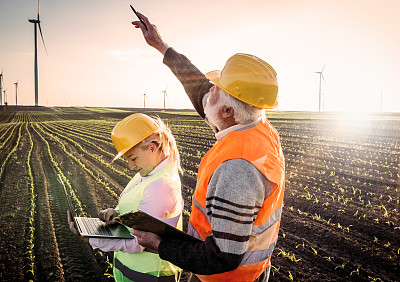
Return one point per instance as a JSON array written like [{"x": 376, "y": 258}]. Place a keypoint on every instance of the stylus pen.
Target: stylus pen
[{"x": 138, "y": 17}]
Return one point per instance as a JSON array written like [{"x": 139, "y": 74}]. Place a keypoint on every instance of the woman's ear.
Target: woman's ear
[{"x": 152, "y": 147}]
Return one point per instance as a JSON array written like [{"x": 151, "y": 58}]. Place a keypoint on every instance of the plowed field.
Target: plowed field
[{"x": 341, "y": 210}]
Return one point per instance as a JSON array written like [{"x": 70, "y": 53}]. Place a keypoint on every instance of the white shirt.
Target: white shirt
[
  {"x": 159, "y": 200},
  {"x": 238, "y": 127}
]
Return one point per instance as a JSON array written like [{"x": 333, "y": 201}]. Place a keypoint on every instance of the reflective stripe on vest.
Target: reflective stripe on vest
[
  {"x": 145, "y": 264},
  {"x": 269, "y": 160},
  {"x": 133, "y": 275}
]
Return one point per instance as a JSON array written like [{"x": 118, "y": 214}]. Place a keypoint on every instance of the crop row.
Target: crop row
[
  {"x": 30, "y": 226},
  {"x": 79, "y": 207},
  {"x": 67, "y": 152},
  {"x": 10, "y": 153},
  {"x": 98, "y": 158},
  {"x": 4, "y": 141}
]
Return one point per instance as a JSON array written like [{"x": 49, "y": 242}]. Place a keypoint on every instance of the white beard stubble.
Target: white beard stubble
[{"x": 211, "y": 112}]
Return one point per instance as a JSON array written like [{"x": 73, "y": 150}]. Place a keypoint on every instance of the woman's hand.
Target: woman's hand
[
  {"x": 72, "y": 227},
  {"x": 107, "y": 215},
  {"x": 151, "y": 34}
]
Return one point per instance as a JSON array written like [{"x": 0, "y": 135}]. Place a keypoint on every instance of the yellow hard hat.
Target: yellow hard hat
[
  {"x": 130, "y": 131},
  {"x": 249, "y": 79}
]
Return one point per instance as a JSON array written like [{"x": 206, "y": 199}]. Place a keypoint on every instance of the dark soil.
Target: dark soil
[{"x": 340, "y": 219}]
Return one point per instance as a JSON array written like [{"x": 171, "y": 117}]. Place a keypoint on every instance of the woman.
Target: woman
[{"x": 151, "y": 151}]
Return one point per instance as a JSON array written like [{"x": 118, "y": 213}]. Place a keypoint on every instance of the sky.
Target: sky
[{"x": 95, "y": 57}]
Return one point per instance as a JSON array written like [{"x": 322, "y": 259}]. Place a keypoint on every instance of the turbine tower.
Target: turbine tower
[
  {"x": 144, "y": 100},
  {"x": 5, "y": 97},
  {"x": 277, "y": 98},
  {"x": 36, "y": 23},
  {"x": 16, "y": 93},
  {"x": 321, "y": 76},
  {"x": 165, "y": 95},
  {"x": 1, "y": 84}
]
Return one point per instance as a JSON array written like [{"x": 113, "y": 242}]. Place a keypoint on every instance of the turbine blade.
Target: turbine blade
[
  {"x": 323, "y": 68},
  {"x": 38, "y": 4},
  {"x": 323, "y": 77},
  {"x": 41, "y": 35}
]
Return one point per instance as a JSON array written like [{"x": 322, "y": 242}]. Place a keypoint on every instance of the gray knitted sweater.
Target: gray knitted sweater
[{"x": 234, "y": 195}]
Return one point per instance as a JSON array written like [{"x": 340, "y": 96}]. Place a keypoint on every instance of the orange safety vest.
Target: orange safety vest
[{"x": 261, "y": 147}]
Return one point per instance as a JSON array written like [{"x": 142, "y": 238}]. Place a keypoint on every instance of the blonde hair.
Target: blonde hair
[{"x": 165, "y": 142}]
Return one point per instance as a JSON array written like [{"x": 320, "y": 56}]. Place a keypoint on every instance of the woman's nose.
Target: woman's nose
[{"x": 131, "y": 165}]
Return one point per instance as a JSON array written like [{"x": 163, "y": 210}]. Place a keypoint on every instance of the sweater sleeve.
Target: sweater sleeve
[
  {"x": 232, "y": 207},
  {"x": 194, "y": 82}
]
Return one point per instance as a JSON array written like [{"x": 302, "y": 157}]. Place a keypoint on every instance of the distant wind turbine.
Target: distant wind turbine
[
  {"x": 5, "y": 97},
  {"x": 1, "y": 84},
  {"x": 16, "y": 93},
  {"x": 37, "y": 24},
  {"x": 144, "y": 100},
  {"x": 277, "y": 98},
  {"x": 165, "y": 95},
  {"x": 321, "y": 76}
]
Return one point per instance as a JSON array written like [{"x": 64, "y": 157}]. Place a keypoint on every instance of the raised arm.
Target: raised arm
[{"x": 195, "y": 83}]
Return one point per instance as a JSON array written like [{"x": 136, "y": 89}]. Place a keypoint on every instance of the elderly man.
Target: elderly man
[{"x": 237, "y": 203}]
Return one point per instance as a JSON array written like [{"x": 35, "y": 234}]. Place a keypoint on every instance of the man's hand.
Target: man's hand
[
  {"x": 73, "y": 229},
  {"x": 147, "y": 239},
  {"x": 108, "y": 215},
  {"x": 151, "y": 35}
]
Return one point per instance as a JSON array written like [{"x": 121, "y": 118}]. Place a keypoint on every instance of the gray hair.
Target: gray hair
[{"x": 243, "y": 113}]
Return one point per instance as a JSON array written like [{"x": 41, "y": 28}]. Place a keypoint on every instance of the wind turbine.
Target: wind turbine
[
  {"x": 144, "y": 100},
  {"x": 165, "y": 94},
  {"x": 16, "y": 93},
  {"x": 321, "y": 76},
  {"x": 1, "y": 83},
  {"x": 5, "y": 97},
  {"x": 277, "y": 98},
  {"x": 37, "y": 24}
]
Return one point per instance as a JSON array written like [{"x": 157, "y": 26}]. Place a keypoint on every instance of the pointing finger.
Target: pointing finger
[
  {"x": 143, "y": 17},
  {"x": 145, "y": 20}
]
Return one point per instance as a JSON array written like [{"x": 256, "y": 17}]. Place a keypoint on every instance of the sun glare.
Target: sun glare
[{"x": 352, "y": 122}]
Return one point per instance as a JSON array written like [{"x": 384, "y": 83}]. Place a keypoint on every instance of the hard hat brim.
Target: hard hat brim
[
  {"x": 214, "y": 77},
  {"x": 274, "y": 105},
  {"x": 120, "y": 154}
]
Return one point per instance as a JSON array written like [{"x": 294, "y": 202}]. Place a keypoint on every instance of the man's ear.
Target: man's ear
[{"x": 227, "y": 112}]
